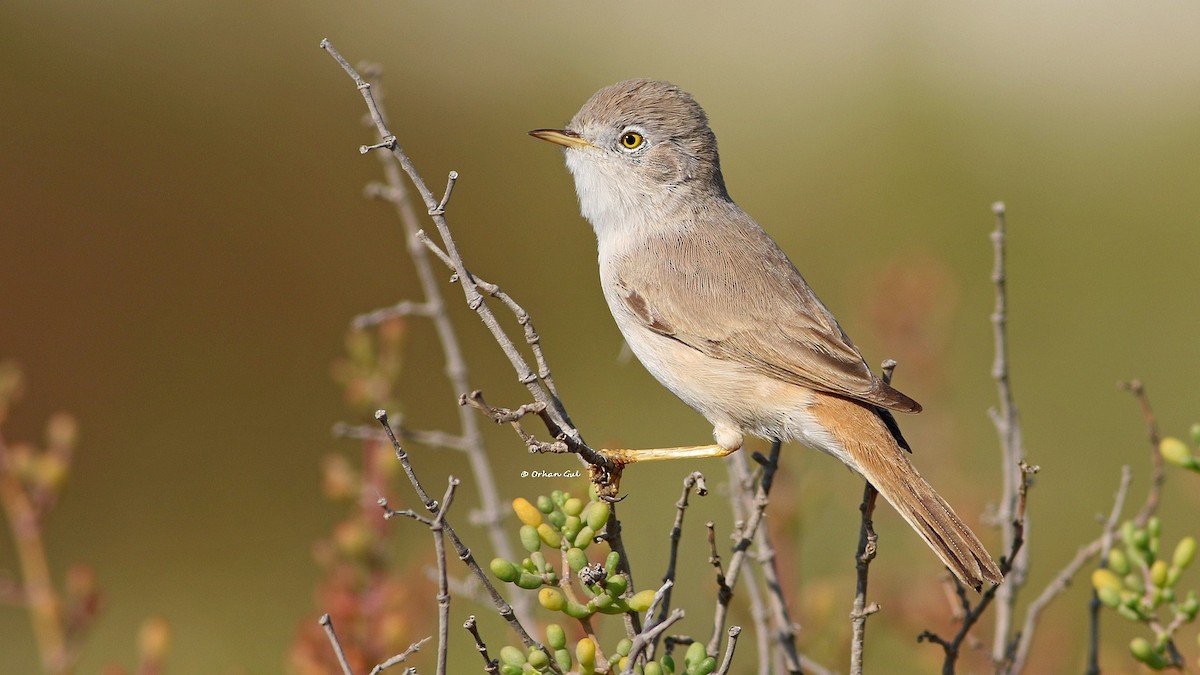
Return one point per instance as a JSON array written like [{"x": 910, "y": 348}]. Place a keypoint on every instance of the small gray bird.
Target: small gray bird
[{"x": 719, "y": 315}]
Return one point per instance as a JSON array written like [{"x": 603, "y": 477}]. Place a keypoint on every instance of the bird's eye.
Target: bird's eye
[{"x": 631, "y": 140}]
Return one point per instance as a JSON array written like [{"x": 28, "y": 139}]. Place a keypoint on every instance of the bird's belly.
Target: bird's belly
[{"x": 730, "y": 395}]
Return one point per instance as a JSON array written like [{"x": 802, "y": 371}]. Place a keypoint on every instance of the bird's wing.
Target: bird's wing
[{"x": 696, "y": 287}]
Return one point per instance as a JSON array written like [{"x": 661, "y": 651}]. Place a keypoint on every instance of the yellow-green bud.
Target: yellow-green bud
[
  {"x": 548, "y": 535},
  {"x": 559, "y": 497},
  {"x": 640, "y": 602},
  {"x": 1118, "y": 563},
  {"x": 512, "y": 655},
  {"x": 585, "y": 653},
  {"x": 1103, "y": 578},
  {"x": 1143, "y": 651},
  {"x": 652, "y": 668},
  {"x": 602, "y": 601},
  {"x": 706, "y": 666},
  {"x": 552, "y": 599},
  {"x": 624, "y": 646},
  {"x": 529, "y": 581},
  {"x": 571, "y": 528},
  {"x": 556, "y": 637},
  {"x": 1185, "y": 552},
  {"x": 545, "y": 504},
  {"x": 511, "y": 669},
  {"x": 1109, "y": 597},
  {"x": 1176, "y": 452},
  {"x": 576, "y": 559},
  {"x": 611, "y": 562},
  {"x": 597, "y": 515},
  {"x": 573, "y": 506},
  {"x": 504, "y": 570},
  {"x": 563, "y": 658},
  {"x": 527, "y": 513},
  {"x": 1158, "y": 573},
  {"x": 578, "y": 611},
  {"x": 584, "y": 537},
  {"x": 694, "y": 655},
  {"x": 538, "y": 659},
  {"x": 529, "y": 538},
  {"x": 616, "y": 584}
]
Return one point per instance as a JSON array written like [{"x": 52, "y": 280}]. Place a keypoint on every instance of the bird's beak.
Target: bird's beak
[{"x": 563, "y": 137}]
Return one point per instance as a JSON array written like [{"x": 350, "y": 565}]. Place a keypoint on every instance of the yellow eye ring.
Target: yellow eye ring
[{"x": 631, "y": 140}]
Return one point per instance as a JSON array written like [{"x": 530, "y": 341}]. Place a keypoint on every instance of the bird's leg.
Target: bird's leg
[
  {"x": 627, "y": 456},
  {"x": 608, "y": 483}
]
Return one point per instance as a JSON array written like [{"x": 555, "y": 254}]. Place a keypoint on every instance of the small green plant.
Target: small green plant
[
  {"x": 557, "y": 533},
  {"x": 1143, "y": 586}
]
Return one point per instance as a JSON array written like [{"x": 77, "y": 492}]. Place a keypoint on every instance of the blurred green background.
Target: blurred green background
[{"x": 184, "y": 240}]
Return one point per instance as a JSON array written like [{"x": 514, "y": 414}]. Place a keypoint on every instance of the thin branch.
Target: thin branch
[
  {"x": 443, "y": 595},
  {"x": 471, "y": 438},
  {"x": 972, "y": 613},
  {"x": 1106, "y": 538},
  {"x": 867, "y": 543},
  {"x": 490, "y": 665},
  {"x": 327, "y": 624},
  {"x": 1012, "y": 450},
  {"x": 694, "y": 480},
  {"x": 730, "y": 646},
  {"x": 401, "y": 657},
  {"x": 647, "y": 637},
  {"x": 464, "y": 554}
]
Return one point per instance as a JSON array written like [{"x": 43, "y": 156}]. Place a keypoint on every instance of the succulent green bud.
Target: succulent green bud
[
  {"x": 511, "y": 669},
  {"x": 616, "y": 585},
  {"x": 1190, "y": 607},
  {"x": 601, "y": 602},
  {"x": 573, "y": 506},
  {"x": 585, "y": 653},
  {"x": 611, "y": 562},
  {"x": 557, "y": 519},
  {"x": 504, "y": 570},
  {"x": 706, "y": 666},
  {"x": 576, "y": 559},
  {"x": 1129, "y": 613},
  {"x": 563, "y": 658},
  {"x": 624, "y": 646},
  {"x": 597, "y": 515},
  {"x": 1158, "y": 573},
  {"x": 556, "y": 637},
  {"x": 1141, "y": 540},
  {"x": 1133, "y": 581},
  {"x": 539, "y": 561},
  {"x": 1127, "y": 530},
  {"x": 1118, "y": 563},
  {"x": 552, "y": 599},
  {"x": 1176, "y": 452},
  {"x": 1109, "y": 597},
  {"x": 668, "y": 663},
  {"x": 527, "y": 513},
  {"x": 570, "y": 529},
  {"x": 529, "y": 581},
  {"x": 640, "y": 602},
  {"x": 694, "y": 655},
  {"x": 1103, "y": 578},
  {"x": 548, "y": 535},
  {"x": 545, "y": 504},
  {"x": 1143, "y": 651},
  {"x": 559, "y": 498},
  {"x": 578, "y": 611},
  {"x": 512, "y": 656},
  {"x": 652, "y": 668},
  {"x": 584, "y": 537},
  {"x": 538, "y": 659},
  {"x": 1185, "y": 553},
  {"x": 530, "y": 539}
]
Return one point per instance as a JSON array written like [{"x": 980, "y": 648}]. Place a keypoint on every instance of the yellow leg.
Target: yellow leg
[{"x": 626, "y": 456}]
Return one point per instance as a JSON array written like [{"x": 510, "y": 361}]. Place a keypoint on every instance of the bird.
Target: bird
[{"x": 716, "y": 311}]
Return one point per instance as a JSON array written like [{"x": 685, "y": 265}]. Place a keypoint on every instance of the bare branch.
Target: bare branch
[
  {"x": 1012, "y": 450},
  {"x": 401, "y": 657},
  {"x": 490, "y": 665},
  {"x": 327, "y": 624}
]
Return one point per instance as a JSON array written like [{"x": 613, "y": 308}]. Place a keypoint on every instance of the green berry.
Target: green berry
[
  {"x": 556, "y": 637},
  {"x": 504, "y": 570},
  {"x": 552, "y": 599}
]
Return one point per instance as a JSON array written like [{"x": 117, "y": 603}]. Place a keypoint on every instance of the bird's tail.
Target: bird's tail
[{"x": 878, "y": 457}]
